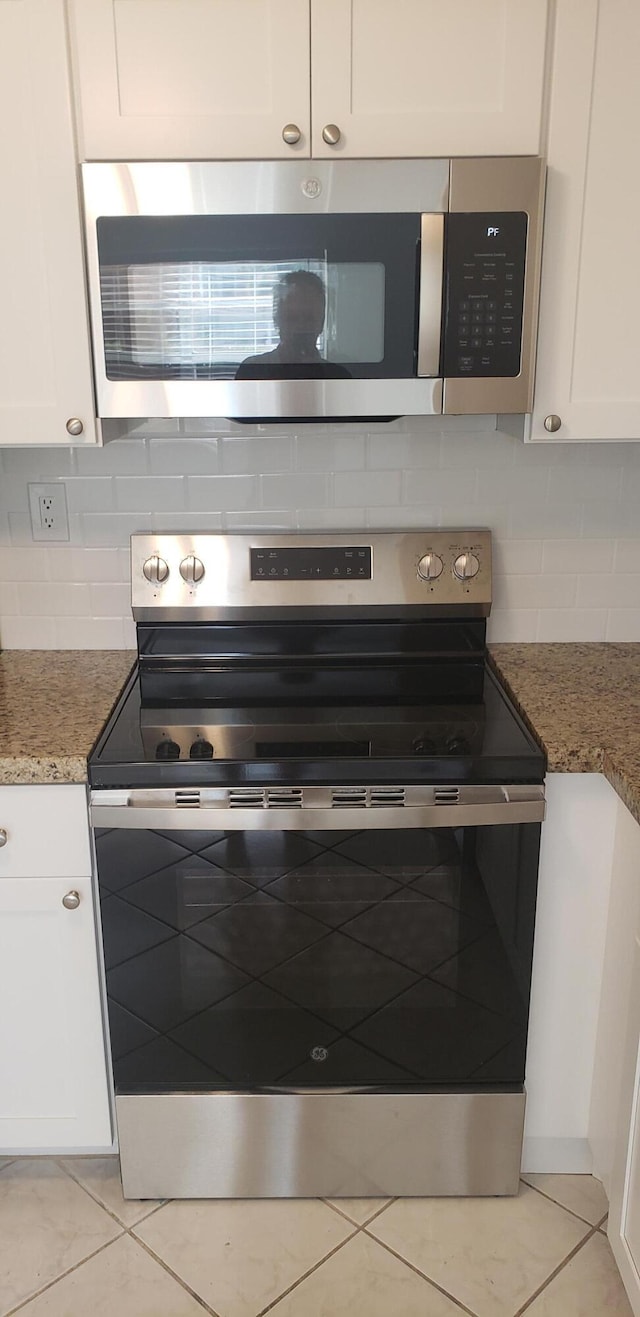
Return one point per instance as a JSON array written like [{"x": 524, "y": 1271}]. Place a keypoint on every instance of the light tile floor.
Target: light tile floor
[{"x": 70, "y": 1246}]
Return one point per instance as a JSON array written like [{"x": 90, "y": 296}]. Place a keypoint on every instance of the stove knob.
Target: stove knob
[
  {"x": 156, "y": 569},
  {"x": 191, "y": 569},
  {"x": 201, "y": 750},
  {"x": 466, "y": 566},
  {"x": 457, "y": 745},
  {"x": 167, "y": 750},
  {"x": 424, "y": 746},
  {"x": 430, "y": 567}
]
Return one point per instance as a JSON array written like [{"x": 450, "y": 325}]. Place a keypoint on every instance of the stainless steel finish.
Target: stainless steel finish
[
  {"x": 552, "y": 423},
  {"x": 494, "y": 184},
  {"x": 430, "y": 567},
  {"x": 227, "y": 591},
  {"x": 155, "y": 570},
  {"x": 266, "y": 399},
  {"x": 75, "y": 425},
  {"x": 71, "y": 901},
  {"x": 327, "y": 1144},
  {"x": 4, "y": 836},
  {"x": 291, "y": 134},
  {"x": 466, "y": 567},
  {"x": 430, "y": 305},
  {"x": 266, "y": 809},
  {"x": 331, "y": 134},
  {"x": 192, "y": 569}
]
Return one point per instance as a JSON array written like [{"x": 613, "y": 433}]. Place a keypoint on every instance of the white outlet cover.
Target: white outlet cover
[{"x": 50, "y": 523}]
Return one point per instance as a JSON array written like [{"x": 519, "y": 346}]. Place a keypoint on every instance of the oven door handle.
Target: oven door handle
[{"x": 212, "y": 810}]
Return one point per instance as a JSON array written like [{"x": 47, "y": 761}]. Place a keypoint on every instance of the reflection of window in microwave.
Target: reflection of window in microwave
[{"x": 217, "y": 313}]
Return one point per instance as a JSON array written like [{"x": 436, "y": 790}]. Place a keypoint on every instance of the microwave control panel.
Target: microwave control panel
[{"x": 484, "y": 293}]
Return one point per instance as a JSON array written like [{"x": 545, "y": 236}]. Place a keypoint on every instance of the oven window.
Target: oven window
[
  {"x": 261, "y": 960},
  {"x": 258, "y": 297}
]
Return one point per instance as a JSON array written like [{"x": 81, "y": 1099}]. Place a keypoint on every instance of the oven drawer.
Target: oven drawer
[{"x": 44, "y": 832}]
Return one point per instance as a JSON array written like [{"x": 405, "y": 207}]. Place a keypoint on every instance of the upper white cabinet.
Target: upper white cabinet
[
  {"x": 45, "y": 366},
  {"x": 587, "y": 372},
  {"x": 427, "y": 78},
  {"x": 222, "y": 79}
]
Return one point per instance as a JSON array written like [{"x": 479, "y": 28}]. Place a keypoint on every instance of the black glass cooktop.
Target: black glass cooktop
[{"x": 392, "y": 733}]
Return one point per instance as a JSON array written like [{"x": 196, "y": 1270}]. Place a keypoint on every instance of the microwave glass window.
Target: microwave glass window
[
  {"x": 228, "y": 318},
  {"x": 259, "y": 297}
]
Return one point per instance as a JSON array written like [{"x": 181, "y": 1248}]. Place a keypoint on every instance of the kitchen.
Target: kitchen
[{"x": 563, "y": 515}]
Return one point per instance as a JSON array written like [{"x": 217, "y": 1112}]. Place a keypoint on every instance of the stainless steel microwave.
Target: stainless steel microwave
[{"x": 311, "y": 289}]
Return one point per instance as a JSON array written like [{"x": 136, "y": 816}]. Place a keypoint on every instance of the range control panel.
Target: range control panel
[
  {"x": 215, "y": 576},
  {"x": 312, "y": 564},
  {"x": 484, "y": 294}
]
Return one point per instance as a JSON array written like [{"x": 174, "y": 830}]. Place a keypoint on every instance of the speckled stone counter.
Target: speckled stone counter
[
  {"x": 582, "y": 703},
  {"x": 53, "y": 703}
]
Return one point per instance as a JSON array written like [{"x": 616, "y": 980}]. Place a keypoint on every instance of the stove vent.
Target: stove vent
[
  {"x": 446, "y": 796},
  {"x": 386, "y": 796},
  {"x": 349, "y": 798},
  {"x": 265, "y": 798},
  {"x": 186, "y": 799}
]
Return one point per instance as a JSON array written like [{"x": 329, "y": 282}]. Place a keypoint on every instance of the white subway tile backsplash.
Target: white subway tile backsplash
[
  {"x": 572, "y": 624},
  {"x": 623, "y": 624},
  {"x": 578, "y": 556},
  {"x": 565, "y": 518},
  {"x": 294, "y": 490},
  {"x": 28, "y": 633},
  {"x": 149, "y": 493},
  {"x": 54, "y": 599},
  {"x": 222, "y": 493},
  {"x": 602, "y": 590}
]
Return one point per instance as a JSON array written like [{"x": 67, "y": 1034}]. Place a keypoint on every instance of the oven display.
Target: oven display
[{"x": 312, "y": 564}]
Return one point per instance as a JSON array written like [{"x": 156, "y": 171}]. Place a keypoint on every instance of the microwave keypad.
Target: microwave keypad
[{"x": 484, "y": 294}]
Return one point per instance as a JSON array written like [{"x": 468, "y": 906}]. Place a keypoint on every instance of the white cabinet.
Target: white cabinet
[
  {"x": 45, "y": 365},
  {"x": 616, "y": 1097},
  {"x": 53, "y": 1077},
  {"x": 188, "y": 79},
  {"x": 587, "y": 368}
]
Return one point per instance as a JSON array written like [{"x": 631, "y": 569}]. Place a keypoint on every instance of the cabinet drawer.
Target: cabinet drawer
[{"x": 47, "y": 832}]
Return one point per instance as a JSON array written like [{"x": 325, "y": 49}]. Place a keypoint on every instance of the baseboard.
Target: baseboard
[{"x": 542, "y": 1156}]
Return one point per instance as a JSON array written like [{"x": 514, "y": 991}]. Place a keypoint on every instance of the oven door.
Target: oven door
[
  {"x": 310, "y": 1000},
  {"x": 257, "y": 292}
]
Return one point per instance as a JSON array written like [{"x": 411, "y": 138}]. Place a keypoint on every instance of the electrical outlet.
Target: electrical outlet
[{"x": 48, "y": 508}]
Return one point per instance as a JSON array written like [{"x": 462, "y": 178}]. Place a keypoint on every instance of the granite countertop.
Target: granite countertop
[
  {"x": 582, "y": 703},
  {"x": 53, "y": 703}
]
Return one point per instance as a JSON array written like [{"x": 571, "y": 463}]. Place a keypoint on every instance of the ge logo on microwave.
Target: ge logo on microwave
[
  {"x": 492, "y": 231},
  {"x": 312, "y": 187}
]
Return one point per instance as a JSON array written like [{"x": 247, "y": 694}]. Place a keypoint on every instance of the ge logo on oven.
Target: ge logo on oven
[{"x": 319, "y": 1053}]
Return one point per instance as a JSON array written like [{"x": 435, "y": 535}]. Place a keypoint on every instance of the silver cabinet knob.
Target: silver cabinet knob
[
  {"x": 74, "y": 425},
  {"x": 192, "y": 569},
  {"x": 156, "y": 569},
  {"x": 466, "y": 566},
  {"x": 552, "y": 423},
  {"x": 331, "y": 134},
  {"x": 430, "y": 567},
  {"x": 4, "y": 836},
  {"x": 71, "y": 901},
  {"x": 291, "y": 134}
]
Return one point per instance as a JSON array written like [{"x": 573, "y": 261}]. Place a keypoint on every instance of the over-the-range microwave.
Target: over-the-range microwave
[{"x": 311, "y": 289}]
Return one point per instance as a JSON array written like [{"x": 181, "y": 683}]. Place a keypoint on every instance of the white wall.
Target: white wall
[{"x": 565, "y": 518}]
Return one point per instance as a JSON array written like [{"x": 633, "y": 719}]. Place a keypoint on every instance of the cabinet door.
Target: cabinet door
[
  {"x": 45, "y": 364},
  {"x": 191, "y": 79},
  {"x": 587, "y": 372},
  {"x": 423, "y": 77},
  {"x": 53, "y": 1079}
]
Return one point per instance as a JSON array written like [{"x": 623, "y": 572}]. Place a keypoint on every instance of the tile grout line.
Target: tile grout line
[
  {"x": 562, "y": 1205},
  {"x": 360, "y": 1224},
  {"x": 556, "y": 1272},
  {"x": 423, "y": 1276},
  {"x": 357, "y": 1230},
  {"x": 149, "y": 1251},
  {"x": 63, "y": 1274},
  {"x": 100, "y": 1203}
]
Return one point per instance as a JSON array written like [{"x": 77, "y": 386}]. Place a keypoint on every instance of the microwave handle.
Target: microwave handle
[{"x": 430, "y": 298}]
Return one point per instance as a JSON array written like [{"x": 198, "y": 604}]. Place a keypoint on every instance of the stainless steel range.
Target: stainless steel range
[{"x": 317, "y": 822}]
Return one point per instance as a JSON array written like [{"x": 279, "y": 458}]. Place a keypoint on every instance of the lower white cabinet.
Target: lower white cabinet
[{"x": 54, "y": 1091}]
